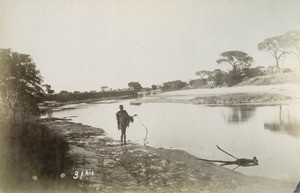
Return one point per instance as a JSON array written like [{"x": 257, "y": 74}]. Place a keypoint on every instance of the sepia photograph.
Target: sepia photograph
[{"x": 149, "y": 96}]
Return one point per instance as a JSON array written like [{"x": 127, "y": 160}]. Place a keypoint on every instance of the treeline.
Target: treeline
[
  {"x": 27, "y": 147},
  {"x": 216, "y": 78},
  {"x": 219, "y": 77},
  {"x": 279, "y": 47},
  {"x": 65, "y": 96}
]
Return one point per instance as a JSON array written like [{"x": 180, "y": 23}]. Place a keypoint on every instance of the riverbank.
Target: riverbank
[
  {"x": 109, "y": 167},
  {"x": 48, "y": 106},
  {"x": 256, "y": 95}
]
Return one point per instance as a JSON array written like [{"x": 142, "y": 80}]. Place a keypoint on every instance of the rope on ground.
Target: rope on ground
[{"x": 145, "y": 129}]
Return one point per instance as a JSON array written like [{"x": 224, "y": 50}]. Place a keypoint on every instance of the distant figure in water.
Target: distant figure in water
[{"x": 123, "y": 120}]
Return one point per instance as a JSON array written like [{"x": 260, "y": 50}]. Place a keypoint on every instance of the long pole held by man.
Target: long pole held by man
[{"x": 123, "y": 120}]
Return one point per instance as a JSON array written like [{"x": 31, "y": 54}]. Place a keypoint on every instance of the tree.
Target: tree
[
  {"x": 174, "y": 85},
  {"x": 276, "y": 47},
  {"x": 66, "y": 92},
  {"x": 154, "y": 87},
  {"x": 204, "y": 74},
  {"x": 234, "y": 77},
  {"x": 198, "y": 82},
  {"x": 48, "y": 89},
  {"x": 253, "y": 72},
  {"x": 271, "y": 70},
  {"x": 20, "y": 83},
  {"x": 291, "y": 43},
  {"x": 218, "y": 77},
  {"x": 136, "y": 86},
  {"x": 238, "y": 60},
  {"x": 104, "y": 88}
]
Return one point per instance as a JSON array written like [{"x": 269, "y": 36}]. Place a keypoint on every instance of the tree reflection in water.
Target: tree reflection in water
[
  {"x": 240, "y": 113},
  {"x": 287, "y": 123}
]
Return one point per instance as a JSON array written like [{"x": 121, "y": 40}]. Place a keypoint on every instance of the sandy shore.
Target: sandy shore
[
  {"x": 101, "y": 164},
  {"x": 257, "y": 95}
]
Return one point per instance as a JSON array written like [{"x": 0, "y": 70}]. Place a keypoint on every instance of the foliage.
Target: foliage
[
  {"x": 275, "y": 46},
  {"x": 154, "y": 87},
  {"x": 287, "y": 70},
  {"x": 218, "y": 77},
  {"x": 65, "y": 96},
  {"x": 204, "y": 74},
  {"x": 281, "y": 46},
  {"x": 230, "y": 78},
  {"x": 104, "y": 88},
  {"x": 20, "y": 83},
  {"x": 198, "y": 82},
  {"x": 253, "y": 72},
  {"x": 233, "y": 77},
  {"x": 271, "y": 70},
  {"x": 173, "y": 85},
  {"x": 28, "y": 148},
  {"x": 236, "y": 59},
  {"x": 136, "y": 86},
  {"x": 291, "y": 42},
  {"x": 48, "y": 89},
  {"x": 278, "y": 46},
  {"x": 63, "y": 92}
]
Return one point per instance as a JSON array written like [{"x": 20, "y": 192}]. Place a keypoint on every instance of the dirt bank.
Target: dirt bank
[
  {"x": 48, "y": 106},
  {"x": 101, "y": 164}
]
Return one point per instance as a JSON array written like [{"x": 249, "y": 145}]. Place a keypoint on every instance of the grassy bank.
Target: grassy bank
[{"x": 273, "y": 79}]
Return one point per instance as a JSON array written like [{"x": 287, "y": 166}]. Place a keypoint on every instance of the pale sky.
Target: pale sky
[{"x": 85, "y": 44}]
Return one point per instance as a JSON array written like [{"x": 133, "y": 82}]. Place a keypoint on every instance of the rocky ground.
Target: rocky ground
[{"x": 100, "y": 164}]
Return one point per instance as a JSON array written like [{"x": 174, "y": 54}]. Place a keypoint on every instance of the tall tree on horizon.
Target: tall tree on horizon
[
  {"x": 203, "y": 74},
  {"x": 291, "y": 42},
  {"x": 238, "y": 60},
  {"x": 275, "y": 46},
  {"x": 136, "y": 86}
]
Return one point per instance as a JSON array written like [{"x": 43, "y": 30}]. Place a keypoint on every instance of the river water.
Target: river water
[{"x": 271, "y": 133}]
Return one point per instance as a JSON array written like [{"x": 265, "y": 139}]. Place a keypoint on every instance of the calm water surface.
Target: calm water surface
[{"x": 271, "y": 133}]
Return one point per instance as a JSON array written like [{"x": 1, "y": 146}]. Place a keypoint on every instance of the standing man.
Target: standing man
[{"x": 123, "y": 120}]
